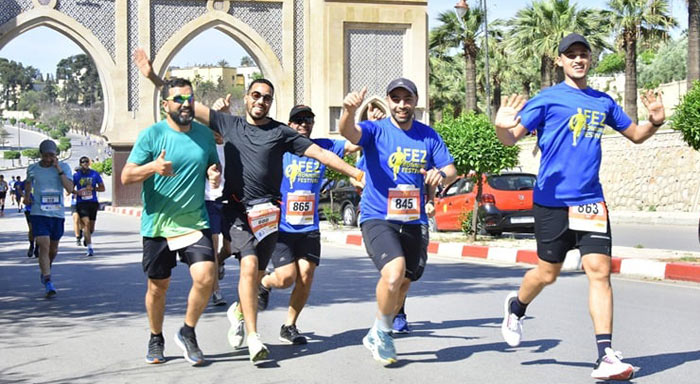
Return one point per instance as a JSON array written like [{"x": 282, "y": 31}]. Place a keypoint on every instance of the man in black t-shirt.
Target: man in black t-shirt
[{"x": 253, "y": 149}]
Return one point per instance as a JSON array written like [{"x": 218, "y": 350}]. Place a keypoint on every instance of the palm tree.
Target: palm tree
[
  {"x": 538, "y": 28},
  {"x": 451, "y": 34},
  {"x": 693, "y": 41},
  {"x": 638, "y": 20}
]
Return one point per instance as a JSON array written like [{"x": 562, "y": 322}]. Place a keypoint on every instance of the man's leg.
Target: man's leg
[
  {"x": 545, "y": 273},
  {"x": 203, "y": 276},
  {"x": 248, "y": 291},
  {"x": 76, "y": 227},
  {"x": 43, "y": 243},
  {"x": 302, "y": 290},
  {"x": 281, "y": 278},
  {"x": 155, "y": 303},
  {"x": 87, "y": 234},
  {"x": 389, "y": 290}
]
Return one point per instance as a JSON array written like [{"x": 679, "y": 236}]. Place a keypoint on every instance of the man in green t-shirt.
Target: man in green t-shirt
[{"x": 172, "y": 159}]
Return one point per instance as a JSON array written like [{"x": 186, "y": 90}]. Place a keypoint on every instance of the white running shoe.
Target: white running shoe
[
  {"x": 236, "y": 332},
  {"x": 611, "y": 367},
  {"x": 381, "y": 344},
  {"x": 257, "y": 350},
  {"x": 217, "y": 298},
  {"x": 512, "y": 326}
]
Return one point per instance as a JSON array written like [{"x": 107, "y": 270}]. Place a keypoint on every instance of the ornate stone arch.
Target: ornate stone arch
[
  {"x": 83, "y": 37},
  {"x": 377, "y": 101}
]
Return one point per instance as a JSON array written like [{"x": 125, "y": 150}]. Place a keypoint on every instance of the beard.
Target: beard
[
  {"x": 182, "y": 120},
  {"x": 401, "y": 119}
]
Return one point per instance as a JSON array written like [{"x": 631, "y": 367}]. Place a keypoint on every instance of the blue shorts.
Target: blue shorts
[
  {"x": 218, "y": 223},
  {"x": 47, "y": 226}
]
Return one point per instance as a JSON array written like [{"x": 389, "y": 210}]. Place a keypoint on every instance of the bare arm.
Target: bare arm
[
  {"x": 27, "y": 194},
  {"x": 351, "y": 148},
  {"x": 445, "y": 176},
  {"x": 334, "y": 162},
  {"x": 100, "y": 187},
  {"x": 507, "y": 123},
  {"x": 348, "y": 128},
  {"x": 134, "y": 173},
  {"x": 638, "y": 133}
]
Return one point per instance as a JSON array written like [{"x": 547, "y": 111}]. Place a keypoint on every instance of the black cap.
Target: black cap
[
  {"x": 402, "y": 83},
  {"x": 48, "y": 146},
  {"x": 571, "y": 39},
  {"x": 299, "y": 109}
]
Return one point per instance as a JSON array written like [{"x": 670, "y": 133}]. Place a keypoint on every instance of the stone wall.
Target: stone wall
[{"x": 662, "y": 174}]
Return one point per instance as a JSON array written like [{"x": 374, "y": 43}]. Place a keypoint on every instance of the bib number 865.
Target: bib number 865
[{"x": 301, "y": 206}]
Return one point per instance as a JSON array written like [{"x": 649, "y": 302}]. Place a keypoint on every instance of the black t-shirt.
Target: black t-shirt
[{"x": 253, "y": 154}]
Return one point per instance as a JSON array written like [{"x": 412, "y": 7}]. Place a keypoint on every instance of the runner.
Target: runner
[
  {"x": 401, "y": 156},
  {"x": 172, "y": 159},
  {"x": 87, "y": 182},
  {"x": 12, "y": 190},
  {"x": 19, "y": 192},
  {"x": 3, "y": 193},
  {"x": 298, "y": 249},
  {"x": 569, "y": 207},
  {"x": 33, "y": 250},
  {"x": 77, "y": 225},
  {"x": 42, "y": 191},
  {"x": 254, "y": 147}
]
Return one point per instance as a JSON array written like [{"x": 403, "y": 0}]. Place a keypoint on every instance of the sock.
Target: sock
[
  {"x": 45, "y": 279},
  {"x": 238, "y": 313},
  {"x": 603, "y": 341},
  {"x": 89, "y": 246},
  {"x": 187, "y": 331},
  {"x": 384, "y": 323},
  {"x": 157, "y": 336},
  {"x": 518, "y": 308}
]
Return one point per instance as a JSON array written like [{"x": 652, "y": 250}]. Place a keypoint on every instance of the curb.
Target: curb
[
  {"x": 623, "y": 266},
  {"x": 128, "y": 211}
]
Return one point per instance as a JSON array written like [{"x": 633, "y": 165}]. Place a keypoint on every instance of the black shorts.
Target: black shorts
[
  {"x": 244, "y": 243},
  {"x": 555, "y": 239},
  {"x": 159, "y": 260},
  {"x": 3, "y": 195},
  {"x": 293, "y": 246},
  {"x": 87, "y": 209},
  {"x": 218, "y": 223},
  {"x": 385, "y": 241}
]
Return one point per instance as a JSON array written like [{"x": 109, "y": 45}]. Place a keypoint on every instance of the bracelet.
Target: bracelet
[
  {"x": 360, "y": 176},
  {"x": 443, "y": 174}
]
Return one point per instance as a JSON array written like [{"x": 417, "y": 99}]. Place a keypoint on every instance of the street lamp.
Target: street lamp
[{"x": 461, "y": 9}]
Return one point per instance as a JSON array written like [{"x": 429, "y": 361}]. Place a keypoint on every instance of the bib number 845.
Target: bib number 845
[{"x": 407, "y": 203}]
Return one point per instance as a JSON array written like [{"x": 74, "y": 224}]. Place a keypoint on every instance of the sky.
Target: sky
[{"x": 212, "y": 46}]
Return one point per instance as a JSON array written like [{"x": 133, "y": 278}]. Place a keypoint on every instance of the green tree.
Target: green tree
[
  {"x": 13, "y": 155},
  {"x": 611, "y": 63},
  {"x": 246, "y": 61},
  {"x": 453, "y": 33},
  {"x": 446, "y": 84},
  {"x": 669, "y": 64},
  {"x": 471, "y": 140},
  {"x": 81, "y": 80},
  {"x": 693, "y": 40},
  {"x": 14, "y": 80},
  {"x": 635, "y": 21},
  {"x": 686, "y": 117},
  {"x": 31, "y": 153}
]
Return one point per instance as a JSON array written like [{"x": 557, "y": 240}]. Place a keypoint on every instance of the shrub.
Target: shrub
[
  {"x": 32, "y": 153},
  {"x": 687, "y": 115},
  {"x": 107, "y": 168},
  {"x": 97, "y": 166},
  {"x": 13, "y": 121},
  {"x": 11, "y": 155},
  {"x": 55, "y": 134}
]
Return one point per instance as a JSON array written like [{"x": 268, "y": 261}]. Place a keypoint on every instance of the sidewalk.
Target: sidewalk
[{"x": 658, "y": 264}]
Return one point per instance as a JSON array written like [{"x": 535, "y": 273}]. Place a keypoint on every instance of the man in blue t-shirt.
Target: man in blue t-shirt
[
  {"x": 86, "y": 183},
  {"x": 402, "y": 155},
  {"x": 298, "y": 249},
  {"x": 570, "y": 210}
]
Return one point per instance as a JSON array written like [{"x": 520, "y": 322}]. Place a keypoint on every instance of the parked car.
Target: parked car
[
  {"x": 346, "y": 200},
  {"x": 506, "y": 203}
]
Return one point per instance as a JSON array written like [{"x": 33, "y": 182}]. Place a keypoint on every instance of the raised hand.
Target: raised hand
[
  {"x": 374, "y": 114},
  {"x": 141, "y": 60},
  {"x": 432, "y": 176},
  {"x": 507, "y": 115},
  {"x": 654, "y": 104},
  {"x": 163, "y": 167},
  {"x": 222, "y": 104},
  {"x": 353, "y": 100},
  {"x": 214, "y": 175}
]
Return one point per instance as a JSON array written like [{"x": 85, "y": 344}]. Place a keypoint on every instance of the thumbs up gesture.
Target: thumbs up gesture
[
  {"x": 222, "y": 104},
  {"x": 353, "y": 100},
  {"x": 163, "y": 167}
]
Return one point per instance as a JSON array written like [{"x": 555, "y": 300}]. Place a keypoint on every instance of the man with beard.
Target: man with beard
[
  {"x": 402, "y": 156},
  {"x": 254, "y": 147},
  {"x": 86, "y": 183},
  {"x": 173, "y": 158}
]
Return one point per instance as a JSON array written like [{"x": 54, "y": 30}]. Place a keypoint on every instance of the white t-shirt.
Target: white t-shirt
[{"x": 211, "y": 194}]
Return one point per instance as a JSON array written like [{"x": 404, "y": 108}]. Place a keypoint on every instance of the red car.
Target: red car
[{"x": 506, "y": 203}]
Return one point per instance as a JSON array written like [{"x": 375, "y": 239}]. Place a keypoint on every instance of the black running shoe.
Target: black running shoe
[
  {"x": 190, "y": 348},
  {"x": 77, "y": 241},
  {"x": 30, "y": 251},
  {"x": 290, "y": 334},
  {"x": 263, "y": 297},
  {"x": 156, "y": 345}
]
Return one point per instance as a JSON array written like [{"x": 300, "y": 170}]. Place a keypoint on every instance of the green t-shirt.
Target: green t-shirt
[{"x": 174, "y": 205}]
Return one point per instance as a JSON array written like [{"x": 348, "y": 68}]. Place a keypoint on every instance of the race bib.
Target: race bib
[
  {"x": 589, "y": 217},
  {"x": 263, "y": 220},
  {"x": 51, "y": 202},
  {"x": 403, "y": 203},
  {"x": 182, "y": 241},
  {"x": 84, "y": 193},
  {"x": 301, "y": 207}
]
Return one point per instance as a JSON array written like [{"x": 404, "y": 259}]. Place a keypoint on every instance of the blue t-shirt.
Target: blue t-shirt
[
  {"x": 47, "y": 189},
  {"x": 569, "y": 124},
  {"x": 393, "y": 159},
  {"x": 82, "y": 180},
  {"x": 301, "y": 185}
]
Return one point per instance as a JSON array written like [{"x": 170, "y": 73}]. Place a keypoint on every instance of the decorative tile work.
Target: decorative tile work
[
  {"x": 132, "y": 36},
  {"x": 168, "y": 16},
  {"x": 373, "y": 58},
  {"x": 11, "y": 8},
  {"x": 264, "y": 18},
  {"x": 299, "y": 24},
  {"x": 95, "y": 15}
]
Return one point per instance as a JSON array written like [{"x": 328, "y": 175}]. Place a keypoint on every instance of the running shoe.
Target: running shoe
[
  {"x": 217, "y": 298},
  {"x": 381, "y": 345},
  {"x": 236, "y": 332},
  {"x": 84, "y": 243},
  {"x": 36, "y": 252},
  {"x": 263, "y": 297},
  {"x": 90, "y": 252},
  {"x": 401, "y": 324},
  {"x": 222, "y": 271},
  {"x": 77, "y": 241},
  {"x": 512, "y": 326},
  {"x": 257, "y": 350},
  {"x": 290, "y": 335},
  {"x": 30, "y": 251},
  {"x": 50, "y": 289},
  {"x": 156, "y": 346},
  {"x": 189, "y": 348},
  {"x": 611, "y": 367}
]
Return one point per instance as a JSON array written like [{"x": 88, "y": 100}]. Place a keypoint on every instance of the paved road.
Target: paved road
[
  {"x": 95, "y": 330},
  {"x": 677, "y": 237}
]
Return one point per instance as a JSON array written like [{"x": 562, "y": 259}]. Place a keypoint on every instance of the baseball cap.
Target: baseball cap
[
  {"x": 571, "y": 39},
  {"x": 48, "y": 146},
  {"x": 297, "y": 109},
  {"x": 404, "y": 83}
]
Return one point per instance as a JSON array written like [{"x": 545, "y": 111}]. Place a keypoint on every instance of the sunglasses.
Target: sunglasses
[
  {"x": 180, "y": 99},
  {"x": 302, "y": 120},
  {"x": 267, "y": 99},
  {"x": 84, "y": 161}
]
